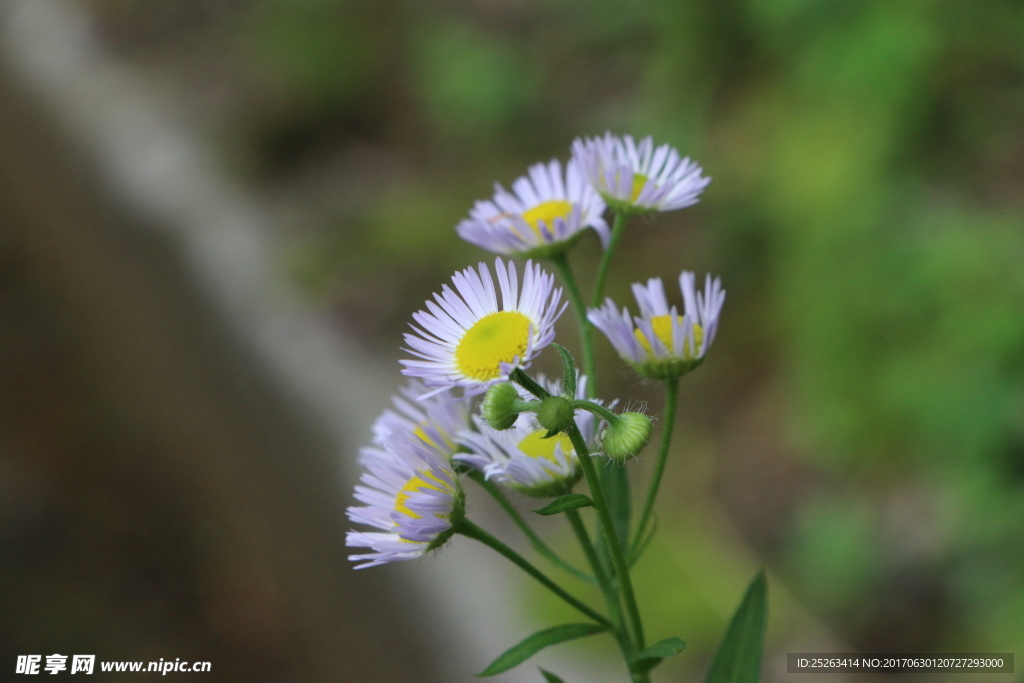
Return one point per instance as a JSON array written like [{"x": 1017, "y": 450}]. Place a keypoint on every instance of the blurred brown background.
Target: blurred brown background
[{"x": 859, "y": 426}]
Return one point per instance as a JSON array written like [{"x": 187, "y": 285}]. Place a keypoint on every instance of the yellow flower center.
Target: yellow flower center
[
  {"x": 662, "y": 325},
  {"x": 422, "y": 433},
  {"x": 547, "y": 212},
  {"x": 639, "y": 180},
  {"x": 494, "y": 339},
  {"x": 423, "y": 480},
  {"x": 536, "y": 446}
]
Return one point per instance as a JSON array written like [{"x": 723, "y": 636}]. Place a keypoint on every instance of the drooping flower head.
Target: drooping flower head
[
  {"x": 544, "y": 214},
  {"x": 637, "y": 178},
  {"x": 411, "y": 493},
  {"x": 465, "y": 339},
  {"x": 660, "y": 343},
  {"x": 436, "y": 420},
  {"x": 521, "y": 458}
]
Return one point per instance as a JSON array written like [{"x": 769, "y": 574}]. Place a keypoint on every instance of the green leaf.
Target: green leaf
[
  {"x": 550, "y": 677},
  {"x": 666, "y": 647},
  {"x": 569, "y": 501},
  {"x": 739, "y": 657},
  {"x": 616, "y": 491},
  {"x": 652, "y": 656},
  {"x": 518, "y": 654},
  {"x": 568, "y": 371}
]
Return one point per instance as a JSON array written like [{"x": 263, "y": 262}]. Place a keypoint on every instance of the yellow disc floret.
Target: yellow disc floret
[
  {"x": 662, "y": 325},
  {"x": 494, "y": 339},
  {"x": 547, "y": 212},
  {"x": 423, "y": 480},
  {"x": 422, "y": 434},
  {"x": 536, "y": 446},
  {"x": 639, "y": 180}
]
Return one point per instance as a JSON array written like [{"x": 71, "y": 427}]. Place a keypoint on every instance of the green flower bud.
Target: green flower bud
[
  {"x": 555, "y": 413},
  {"x": 501, "y": 406},
  {"x": 627, "y": 436}
]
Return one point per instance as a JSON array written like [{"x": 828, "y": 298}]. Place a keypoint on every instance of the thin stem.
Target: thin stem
[
  {"x": 610, "y": 595},
  {"x": 671, "y": 396},
  {"x": 520, "y": 377},
  {"x": 610, "y": 534},
  {"x": 597, "y": 409},
  {"x": 561, "y": 263},
  {"x": 602, "y": 270},
  {"x": 535, "y": 540},
  {"x": 471, "y": 530}
]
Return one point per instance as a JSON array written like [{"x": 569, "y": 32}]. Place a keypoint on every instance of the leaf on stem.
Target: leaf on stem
[
  {"x": 517, "y": 654},
  {"x": 569, "y": 501},
  {"x": 652, "y": 656},
  {"x": 739, "y": 657},
  {"x": 641, "y": 545},
  {"x": 550, "y": 677},
  {"x": 568, "y": 371}
]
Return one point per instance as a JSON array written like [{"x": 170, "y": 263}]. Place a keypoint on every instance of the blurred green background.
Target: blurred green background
[{"x": 859, "y": 425}]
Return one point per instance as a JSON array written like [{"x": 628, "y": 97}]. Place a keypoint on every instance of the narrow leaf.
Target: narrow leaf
[
  {"x": 665, "y": 647},
  {"x": 517, "y": 654},
  {"x": 739, "y": 657},
  {"x": 550, "y": 677},
  {"x": 652, "y": 656},
  {"x": 616, "y": 491},
  {"x": 568, "y": 371},
  {"x": 569, "y": 501}
]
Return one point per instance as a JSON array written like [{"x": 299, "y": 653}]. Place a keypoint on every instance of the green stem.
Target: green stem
[
  {"x": 561, "y": 263},
  {"x": 520, "y": 377},
  {"x": 611, "y": 536},
  {"x": 610, "y": 595},
  {"x": 606, "y": 259},
  {"x": 471, "y": 530},
  {"x": 604, "y": 413},
  {"x": 535, "y": 540},
  {"x": 671, "y": 396}
]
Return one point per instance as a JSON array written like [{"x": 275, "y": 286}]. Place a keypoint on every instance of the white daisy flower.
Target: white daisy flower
[
  {"x": 521, "y": 458},
  {"x": 544, "y": 214},
  {"x": 436, "y": 420},
  {"x": 636, "y": 178},
  {"x": 465, "y": 340},
  {"x": 660, "y": 343},
  {"x": 412, "y": 494}
]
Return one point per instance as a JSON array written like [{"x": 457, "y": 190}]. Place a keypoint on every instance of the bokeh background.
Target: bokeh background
[{"x": 858, "y": 427}]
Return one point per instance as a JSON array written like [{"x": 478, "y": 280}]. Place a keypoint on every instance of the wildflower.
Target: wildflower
[
  {"x": 465, "y": 340},
  {"x": 501, "y": 406},
  {"x": 660, "y": 343},
  {"x": 435, "y": 420},
  {"x": 544, "y": 214},
  {"x": 627, "y": 436},
  {"x": 636, "y": 178},
  {"x": 412, "y": 494},
  {"x": 521, "y": 458}
]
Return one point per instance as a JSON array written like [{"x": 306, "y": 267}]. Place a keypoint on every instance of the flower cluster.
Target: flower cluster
[{"x": 483, "y": 328}]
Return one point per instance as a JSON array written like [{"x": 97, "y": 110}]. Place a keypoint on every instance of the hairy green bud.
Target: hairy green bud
[
  {"x": 627, "y": 436},
  {"x": 555, "y": 414},
  {"x": 501, "y": 406}
]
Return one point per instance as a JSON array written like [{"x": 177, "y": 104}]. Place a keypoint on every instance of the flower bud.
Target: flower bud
[
  {"x": 627, "y": 436},
  {"x": 555, "y": 414},
  {"x": 500, "y": 406}
]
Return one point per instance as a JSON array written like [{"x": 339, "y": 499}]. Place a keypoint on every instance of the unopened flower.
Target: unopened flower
[
  {"x": 435, "y": 420},
  {"x": 411, "y": 494},
  {"x": 637, "y": 178},
  {"x": 521, "y": 458},
  {"x": 660, "y": 343},
  {"x": 627, "y": 436},
  {"x": 465, "y": 339},
  {"x": 544, "y": 214}
]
